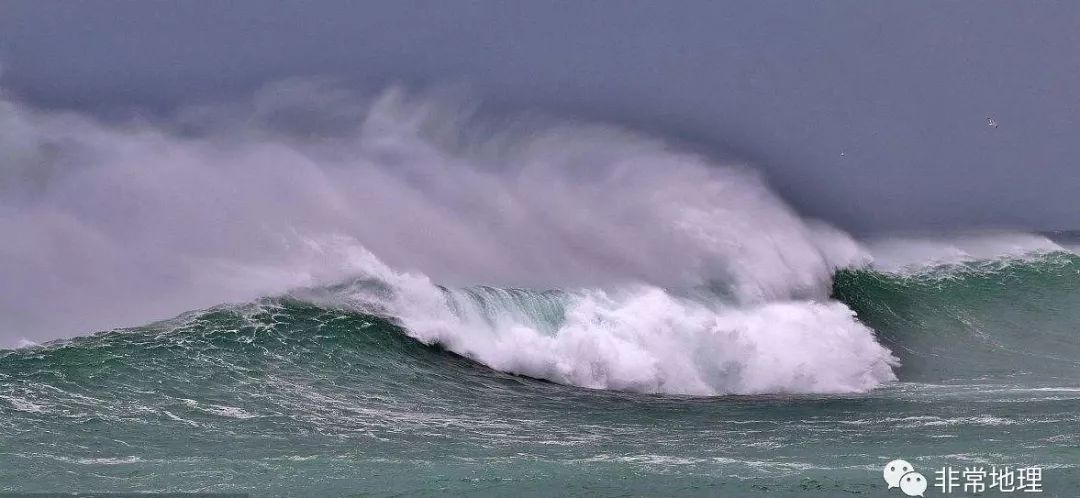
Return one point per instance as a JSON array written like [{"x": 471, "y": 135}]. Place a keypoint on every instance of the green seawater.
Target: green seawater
[{"x": 286, "y": 398}]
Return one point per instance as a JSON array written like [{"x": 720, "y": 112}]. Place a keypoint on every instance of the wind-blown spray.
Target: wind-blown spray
[{"x": 677, "y": 274}]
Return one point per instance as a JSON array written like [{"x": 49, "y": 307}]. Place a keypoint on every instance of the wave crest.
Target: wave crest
[{"x": 635, "y": 338}]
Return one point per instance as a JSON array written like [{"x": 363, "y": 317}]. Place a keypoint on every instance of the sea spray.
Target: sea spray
[{"x": 119, "y": 224}]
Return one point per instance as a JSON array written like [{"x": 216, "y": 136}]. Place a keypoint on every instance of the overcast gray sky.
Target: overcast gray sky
[{"x": 872, "y": 115}]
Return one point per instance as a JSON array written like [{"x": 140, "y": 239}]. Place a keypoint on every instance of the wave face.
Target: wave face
[{"x": 1011, "y": 318}]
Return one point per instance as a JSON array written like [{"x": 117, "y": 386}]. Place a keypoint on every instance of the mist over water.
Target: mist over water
[{"x": 227, "y": 205}]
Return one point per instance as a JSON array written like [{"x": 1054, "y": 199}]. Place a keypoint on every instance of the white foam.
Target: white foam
[
  {"x": 23, "y": 404},
  {"x": 640, "y": 338},
  {"x": 219, "y": 410}
]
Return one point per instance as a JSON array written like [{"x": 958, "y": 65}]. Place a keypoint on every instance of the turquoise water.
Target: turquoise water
[{"x": 284, "y": 397}]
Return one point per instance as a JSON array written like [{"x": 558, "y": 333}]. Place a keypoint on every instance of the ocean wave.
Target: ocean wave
[
  {"x": 950, "y": 332},
  {"x": 639, "y": 338}
]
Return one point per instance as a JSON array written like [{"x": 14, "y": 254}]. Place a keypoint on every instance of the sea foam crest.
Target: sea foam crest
[{"x": 636, "y": 338}]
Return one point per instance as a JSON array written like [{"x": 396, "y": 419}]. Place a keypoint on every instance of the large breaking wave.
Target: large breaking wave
[
  {"x": 636, "y": 337},
  {"x": 655, "y": 269}
]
